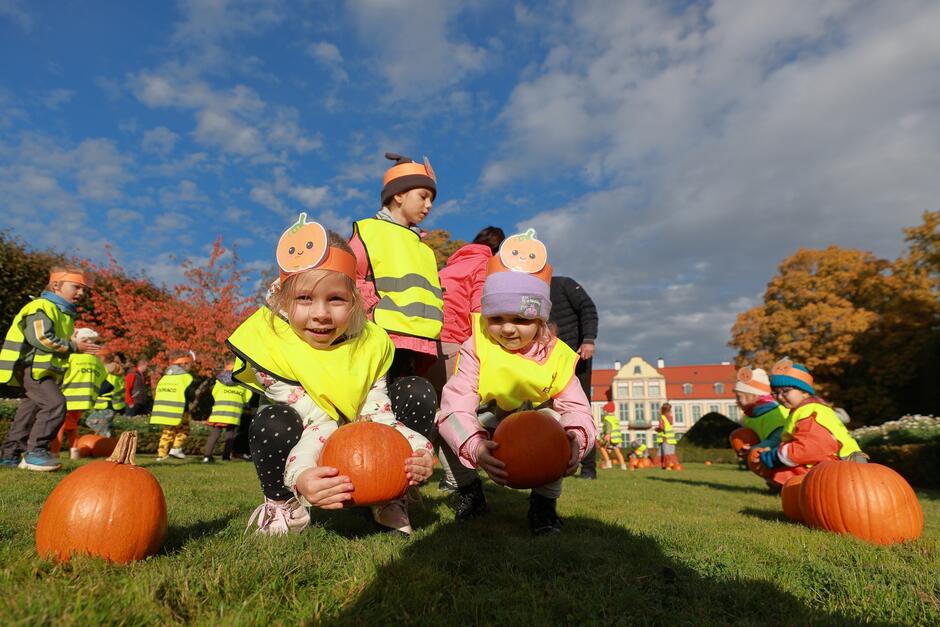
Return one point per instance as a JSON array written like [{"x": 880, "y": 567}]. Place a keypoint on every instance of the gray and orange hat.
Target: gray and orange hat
[{"x": 405, "y": 175}]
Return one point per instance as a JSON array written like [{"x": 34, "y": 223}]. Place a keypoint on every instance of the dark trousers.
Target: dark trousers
[
  {"x": 38, "y": 418},
  {"x": 230, "y": 432},
  {"x": 583, "y": 372}
]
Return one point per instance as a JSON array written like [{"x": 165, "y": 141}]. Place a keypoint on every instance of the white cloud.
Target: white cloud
[
  {"x": 329, "y": 55},
  {"x": 16, "y": 12},
  {"x": 159, "y": 140},
  {"x": 309, "y": 195},
  {"x": 117, "y": 215},
  {"x": 56, "y": 98}
]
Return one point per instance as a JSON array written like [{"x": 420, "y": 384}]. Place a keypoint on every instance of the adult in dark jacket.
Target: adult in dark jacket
[
  {"x": 575, "y": 315},
  {"x": 137, "y": 393}
]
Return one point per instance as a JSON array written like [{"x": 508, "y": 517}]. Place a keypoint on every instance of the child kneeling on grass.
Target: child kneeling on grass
[
  {"x": 813, "y": 432},
  {"x": 512, "y": 361},
  {"x": 318, "y": 363}
]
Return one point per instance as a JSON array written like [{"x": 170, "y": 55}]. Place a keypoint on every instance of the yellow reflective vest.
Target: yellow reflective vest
[
  {"x": 639, "y": 451},
  {"x": 228, "y": 403},
  {"x": 512, "y": 380},
  {"x": 827, "y": 419},
  {"x": 169, "y": 401},
  {"x": 16, "y": 348},
  {"x": 404, "y": 271},
  {"x": 82, "y": 381},
  {"x": 612, "y": 427},
  {"x": 338, "y": 378},
  {"x": 667, "y": 435},
  {"x": 767, "y": 423},
  {"x": 114, "y": 398}
]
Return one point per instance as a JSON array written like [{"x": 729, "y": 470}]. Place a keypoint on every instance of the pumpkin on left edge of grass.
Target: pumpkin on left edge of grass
[
  {"x": 93, "y": 445},
  {"x": 109, "y": 508}
]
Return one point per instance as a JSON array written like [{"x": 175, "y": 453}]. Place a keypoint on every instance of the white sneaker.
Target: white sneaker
[
  {"x": 177, "y": 453},
  {"x": 277, "y": 519},
  {"x": 393, "y": 515}
]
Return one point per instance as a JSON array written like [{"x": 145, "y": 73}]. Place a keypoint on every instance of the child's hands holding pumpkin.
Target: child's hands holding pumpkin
[
  {"x": 324, "y": 487},
  {"x": 575, "y": 458},
  {"x": 493, "y": 467},
  {"x": 418, "y": 467}
]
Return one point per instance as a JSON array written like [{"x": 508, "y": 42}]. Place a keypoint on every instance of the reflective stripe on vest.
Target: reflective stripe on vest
[
  {"x": 511, "y": 380},
  {"x": 612, "y": 426},
  {"x": 82, "y": 380},
  {"x": 115, "y": 398},
  {"x": 228, "y": 403},
  {"x": 667, "y": 434},
  {"x": 404, "y": 271},
  {"x": 337, "y": 379},
  {"x": 169, "y": 401},
  {"x": 828, "y": 420},
  {"x": 767, "y": 423},
  {"x": 640, "y": 450},
  {"x": 15, "y": 347}
]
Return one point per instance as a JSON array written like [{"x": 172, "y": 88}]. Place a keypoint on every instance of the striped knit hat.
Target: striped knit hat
[
  {"x": 786, "y": 374},
  {"x": 752, "y": 381}
]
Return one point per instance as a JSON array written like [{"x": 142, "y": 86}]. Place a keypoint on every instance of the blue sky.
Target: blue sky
[{"x": 669, "y": 154}]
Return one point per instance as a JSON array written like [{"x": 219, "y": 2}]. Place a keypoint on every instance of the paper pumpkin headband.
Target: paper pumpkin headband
[
  {"x": 305, "y": 246},
  {"x": 522, "y": 252},
  {"x": 74, "y": 277},
  {"x": 183, "y": 360},
  {"x": 785, "y": 368}
]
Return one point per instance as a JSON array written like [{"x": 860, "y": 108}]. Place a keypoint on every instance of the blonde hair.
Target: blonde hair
[
  {"x": 282, "y": 300},
  {"x": 56, "y": 269}
]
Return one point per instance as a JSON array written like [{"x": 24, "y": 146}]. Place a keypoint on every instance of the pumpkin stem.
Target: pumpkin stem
[
  {"x": 301, "y": 221},
  {"x": 125, "y": 449},
  {"x": 530, "y": 234}
]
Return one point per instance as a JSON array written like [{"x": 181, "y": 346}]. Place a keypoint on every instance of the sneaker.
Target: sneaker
[
  {"x": 10, "y": 462},
  {"x": 587, "y": 475},
  {"x": 41, "y": 460},
  {"x": 177, "y": 453},
  {"x": 279, "y": 519},
  {"x": 543, "y": 519},
  {"x": 393, "y": 516},
  {"x": 208, "y": 460},
  {"x": 471, "y": 502},
  {"x": 446, "y": 486},
  {"x": 162, "y": 458}
]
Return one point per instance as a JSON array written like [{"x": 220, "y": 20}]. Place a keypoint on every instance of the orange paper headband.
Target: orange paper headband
[
  {"x": 305, "y": 246},
  {"x": 407, "y": 169},
  {"x": 182, "y": 361},
  {"x": 74, "y": 277},
  {"x": 785, "y": 367}
]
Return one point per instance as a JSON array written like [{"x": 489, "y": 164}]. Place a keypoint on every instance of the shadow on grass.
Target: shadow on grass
[
  {"x": 357, "y": 522},
  {"x": 179, "y": 536},
  {"x": 491, "y": 571},
  {"x": 715, "y": 486},
  {"x": 765, "y": 514}
]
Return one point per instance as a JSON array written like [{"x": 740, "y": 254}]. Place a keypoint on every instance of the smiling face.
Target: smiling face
[
  {"x": 413, "y": 206},
  {"x": 512, "y": 332},
  {"x": 745, "y": 400},
  {"x": 790, "y": 397},
  {"x": 321, "y": 307},
  {"x": 68, "y": 290}
]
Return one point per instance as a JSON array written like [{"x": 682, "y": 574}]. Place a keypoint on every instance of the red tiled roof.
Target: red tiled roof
[
  {"x": 601, "y": 380},
  {"x": 703, "y": 379}
]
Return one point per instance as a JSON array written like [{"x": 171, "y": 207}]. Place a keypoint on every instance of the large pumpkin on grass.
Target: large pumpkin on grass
[
  {"x": 108, "y": 508},
  {"x": 742, "y": 437},
  {"x": 534, "y": 447},
  {"x": 869, "y": 501},
  {"x": 790, "y": 498},
  {"x": 91, "y": 445},
  {"x": 373, "y": 456}
]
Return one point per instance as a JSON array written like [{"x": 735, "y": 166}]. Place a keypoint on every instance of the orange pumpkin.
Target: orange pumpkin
[
  {"x": 109, "y": 508},
  {"x": 634, "y": 463},
  {"x": 790, "y": 498},
  {"x": 303, "y": 245},
  {"x": 742, "y": 437},
  {"x": 523, "y": 252},
  {"x": 91, "y": 445},
  {"x": 373, "y": 456},
  {"x": 707, "y": 463},
  {"x": 753, "y": 462},
  {"x": 869, "y": 501},
  {"x": 646, "y": 462},
  {"x": 534, "y": 447}
]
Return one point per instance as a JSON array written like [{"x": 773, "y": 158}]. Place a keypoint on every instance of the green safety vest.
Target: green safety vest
[
  {"x": 767, "y": 423},
  {"x": 640, "y": 451},
  {"x": 16, "y": 348},
  {"x": 828, "y": 420},
  {"x": 114, "y": 398},
  {"x": 612, "y": 426},
  {"x": 667, "y": 435},
  {"x": 404, "y": 271},
  {"x": 228, "y": 403},
  {"x": 82, "y": 380},
  {"x": 169, "y": 401}
]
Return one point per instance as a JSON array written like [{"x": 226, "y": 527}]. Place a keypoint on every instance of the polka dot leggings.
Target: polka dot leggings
[
  {"x": 414, "y": 402},
  {"x": 274, "y": 432}
]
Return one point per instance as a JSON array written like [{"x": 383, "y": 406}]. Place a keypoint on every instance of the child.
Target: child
[
  {"x": 512, "y": 362},
  {"x": 638, "y": 451},
  {"x": 611, "y": 438},
  {"x": 666, "y": 439},
  {"x": 137, "y": 395},
  {"x": 318, "y": 363},
  {"x": 80, "y": 386},
  {"x": 229, "y": 401},
  {"x": 396, "y": 273},
  {"x": 762, "y": 414},
  {"x": 35, "y": 354},
  {"x": 111, "y": 398},
  {"x": 176, "y": 390},
  {"x": 812, "y": 433}
]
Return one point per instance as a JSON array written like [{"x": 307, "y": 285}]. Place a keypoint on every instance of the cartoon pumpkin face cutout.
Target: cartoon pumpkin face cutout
[
  {"x": 523, "y": 252},
  {"x": 303, "y": 245}
]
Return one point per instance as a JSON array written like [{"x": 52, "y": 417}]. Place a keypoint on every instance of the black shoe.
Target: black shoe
[
  {"x": 471, "y": 502},
  {"x": 587, "y": 475},
  {"x": 446, "y": 486},
  {"x": 208, "y": 460},
  {"x": 542, "y": 517}
]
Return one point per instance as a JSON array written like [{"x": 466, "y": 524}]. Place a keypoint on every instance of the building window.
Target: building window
[
  {"x": 714, "y": 409},
  {"x": 719, "y": 388},
  {"x": 638, "y": 390},
  {"x": 623, "y": 390},
  {"x": 637, "y": 370},
  {"x": 678, "y": 416},
  {"x": 624, "y": 412},
  {"x": 643, "y": 438},
  {"x": 655, "y": 410},
  {"x": 654, "y": 390},
  {"x": 686, "y": 388},
  {"x": 696, "y": 413},
  {"x": 733, "y": 412},
  {"x": 640, "y": 413}
]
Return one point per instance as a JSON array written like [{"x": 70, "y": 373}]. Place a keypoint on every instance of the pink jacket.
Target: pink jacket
[{"x": 462, "y": 280}]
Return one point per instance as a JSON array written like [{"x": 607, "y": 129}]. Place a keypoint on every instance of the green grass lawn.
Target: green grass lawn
[{"x": 704, "y": 546}]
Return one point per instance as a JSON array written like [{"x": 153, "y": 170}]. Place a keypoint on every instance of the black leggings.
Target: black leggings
[{"x": 230, "y": 432}]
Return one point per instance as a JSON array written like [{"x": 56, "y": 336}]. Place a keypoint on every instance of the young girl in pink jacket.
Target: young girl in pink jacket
[{"x": 512, "y": 362}]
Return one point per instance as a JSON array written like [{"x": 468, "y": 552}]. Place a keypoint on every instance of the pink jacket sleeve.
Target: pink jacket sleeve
[
  {"x": 366, "y": 288},
  {"x": 476, "y": 288},
  {"x": 458, "y": 423}
]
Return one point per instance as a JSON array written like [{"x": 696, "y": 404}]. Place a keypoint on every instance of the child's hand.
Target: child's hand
[
  {"x": 418, "y": 467},
  {"x": 323, "y": 488},
  {"x": 575, "y": 458},
  {"x": 493, "y": 467}
]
